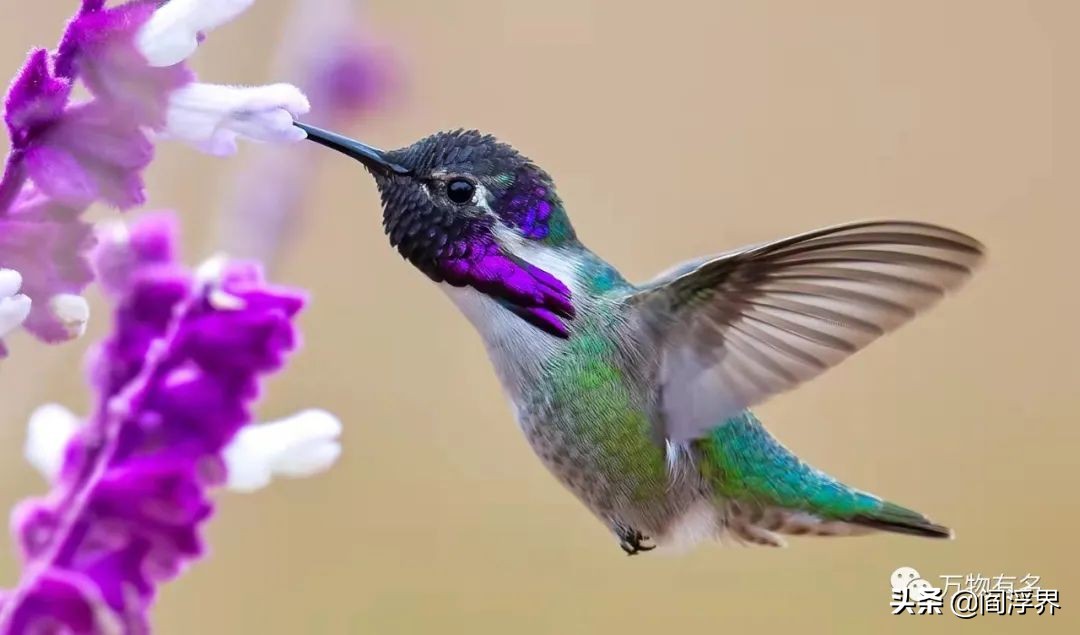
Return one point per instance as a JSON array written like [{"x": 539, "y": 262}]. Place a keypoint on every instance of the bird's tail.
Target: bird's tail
[{"x": 764, "y": 490}]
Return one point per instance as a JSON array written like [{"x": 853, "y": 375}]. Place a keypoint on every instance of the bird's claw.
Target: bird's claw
[{"x": 632, "y": 541}]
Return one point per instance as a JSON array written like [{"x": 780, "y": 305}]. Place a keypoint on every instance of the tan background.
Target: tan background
[{"x": 674, "y": 129}]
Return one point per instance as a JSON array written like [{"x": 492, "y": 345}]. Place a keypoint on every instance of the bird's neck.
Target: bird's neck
[
  {"x": 519, "y": 350},
  {"x": 589, "y": 277}
]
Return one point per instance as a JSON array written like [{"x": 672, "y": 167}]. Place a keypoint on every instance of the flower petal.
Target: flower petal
[
  {"x": 10, "y": 283},
  {"x": 60, "y": 176},
  {"x": 60, "y": 602},
  {"x": 172, "y": 34},
  {"x": 42, "y": 241},
  {"x": 36, "y": 98},
  {"x": 211, "y": 116},
  {"x": 71, "y": 311},
  {"x": 13, "y": 312},
  {"x": 301, "y": 445},
  {"x": 50, "y": 429}
]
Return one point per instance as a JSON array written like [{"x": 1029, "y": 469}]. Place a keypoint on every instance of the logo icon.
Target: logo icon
[
  {"x": 902, "y": 576},
  {"x": 912, "y": 594}
]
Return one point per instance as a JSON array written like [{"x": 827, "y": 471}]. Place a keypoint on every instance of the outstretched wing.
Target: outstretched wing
[{"x": 738, "y": 328}]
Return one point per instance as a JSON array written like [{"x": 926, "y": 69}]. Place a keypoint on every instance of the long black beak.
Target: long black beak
[{"x": 373, "y": 158}]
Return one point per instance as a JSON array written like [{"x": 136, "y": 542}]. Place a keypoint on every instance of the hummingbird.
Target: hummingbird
[{"x": 637, "y": 397}]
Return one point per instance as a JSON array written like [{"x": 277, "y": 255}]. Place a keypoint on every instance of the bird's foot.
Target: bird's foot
[{"x": 633, "y": 541}]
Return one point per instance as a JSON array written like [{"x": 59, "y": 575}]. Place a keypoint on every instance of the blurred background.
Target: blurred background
[{"x": 673, "y": 129}]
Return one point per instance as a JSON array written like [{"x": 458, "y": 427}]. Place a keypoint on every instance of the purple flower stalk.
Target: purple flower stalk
[
  {"x": 176, "y": 379},
  {"x": 174, "y": 382},
  {"x": 66, "y": 156}
]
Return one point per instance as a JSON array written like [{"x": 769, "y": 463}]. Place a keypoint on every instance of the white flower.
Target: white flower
[
  {"x": 304, "y": 444},
  {"x": 209, "y": 275},
  {"x": 211, "y": 117},
  {"x": 172, "y": 34},
  {"x": 71, "y": 311},
  {"x": 50, "y": 429},
  {"x": 14, "y": 306},
  {"x": 301, "y": 445}
]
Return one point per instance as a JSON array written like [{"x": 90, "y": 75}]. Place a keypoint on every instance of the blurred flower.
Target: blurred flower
[
  {"x": 211, "y": 117},
  {"x": 348, "y": 74},
  {"x": 174, "y": 383},
  {"x": 304, "y": 444},
  {"x": 48, "y": 433},
  {"x": 65, "y": 156},
  {"x": 14, "y": 306},
  {"x": 174, "y": 31}
]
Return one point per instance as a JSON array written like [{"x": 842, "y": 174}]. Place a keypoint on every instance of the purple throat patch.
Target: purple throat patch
[
  {"x": 465, "y": 254},
  {"x": 528, "y": 291}
]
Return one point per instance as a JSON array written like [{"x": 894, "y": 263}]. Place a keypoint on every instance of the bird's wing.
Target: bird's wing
[{"x": 741, "y": 327}]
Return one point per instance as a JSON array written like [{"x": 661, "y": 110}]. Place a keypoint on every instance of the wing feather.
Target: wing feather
[{"x": 743, "y": 326}]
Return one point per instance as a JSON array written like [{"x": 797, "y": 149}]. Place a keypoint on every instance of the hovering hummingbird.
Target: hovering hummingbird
[{"x": 636, "y": 397}]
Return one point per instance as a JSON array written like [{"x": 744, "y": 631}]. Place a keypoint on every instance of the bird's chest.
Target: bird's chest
[
  {"x": 589, "y": 421},
  {"x": 584, "y": 403}
]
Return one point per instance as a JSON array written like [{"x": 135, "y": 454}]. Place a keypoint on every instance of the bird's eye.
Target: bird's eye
[{"x": 460, "y": 191}]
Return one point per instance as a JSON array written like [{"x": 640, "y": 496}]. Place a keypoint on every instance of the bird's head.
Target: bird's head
[{"x": 467, "y": 210}]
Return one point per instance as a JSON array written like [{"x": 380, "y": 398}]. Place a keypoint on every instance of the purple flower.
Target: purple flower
[
  {"x": 175, "y": 382},
  {"x": 66, "y": 155}
]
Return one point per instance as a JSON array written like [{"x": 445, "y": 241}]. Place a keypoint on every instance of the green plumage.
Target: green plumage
[
  {"x": 599, "y": 411},
  {"x": 743, "y": 461}
]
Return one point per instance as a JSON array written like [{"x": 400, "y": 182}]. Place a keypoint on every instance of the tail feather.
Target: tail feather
[
  {"x": 900, "y": 520},
  {"x": 765, "y": 491},
  {"x": 756, "y": 525}
]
